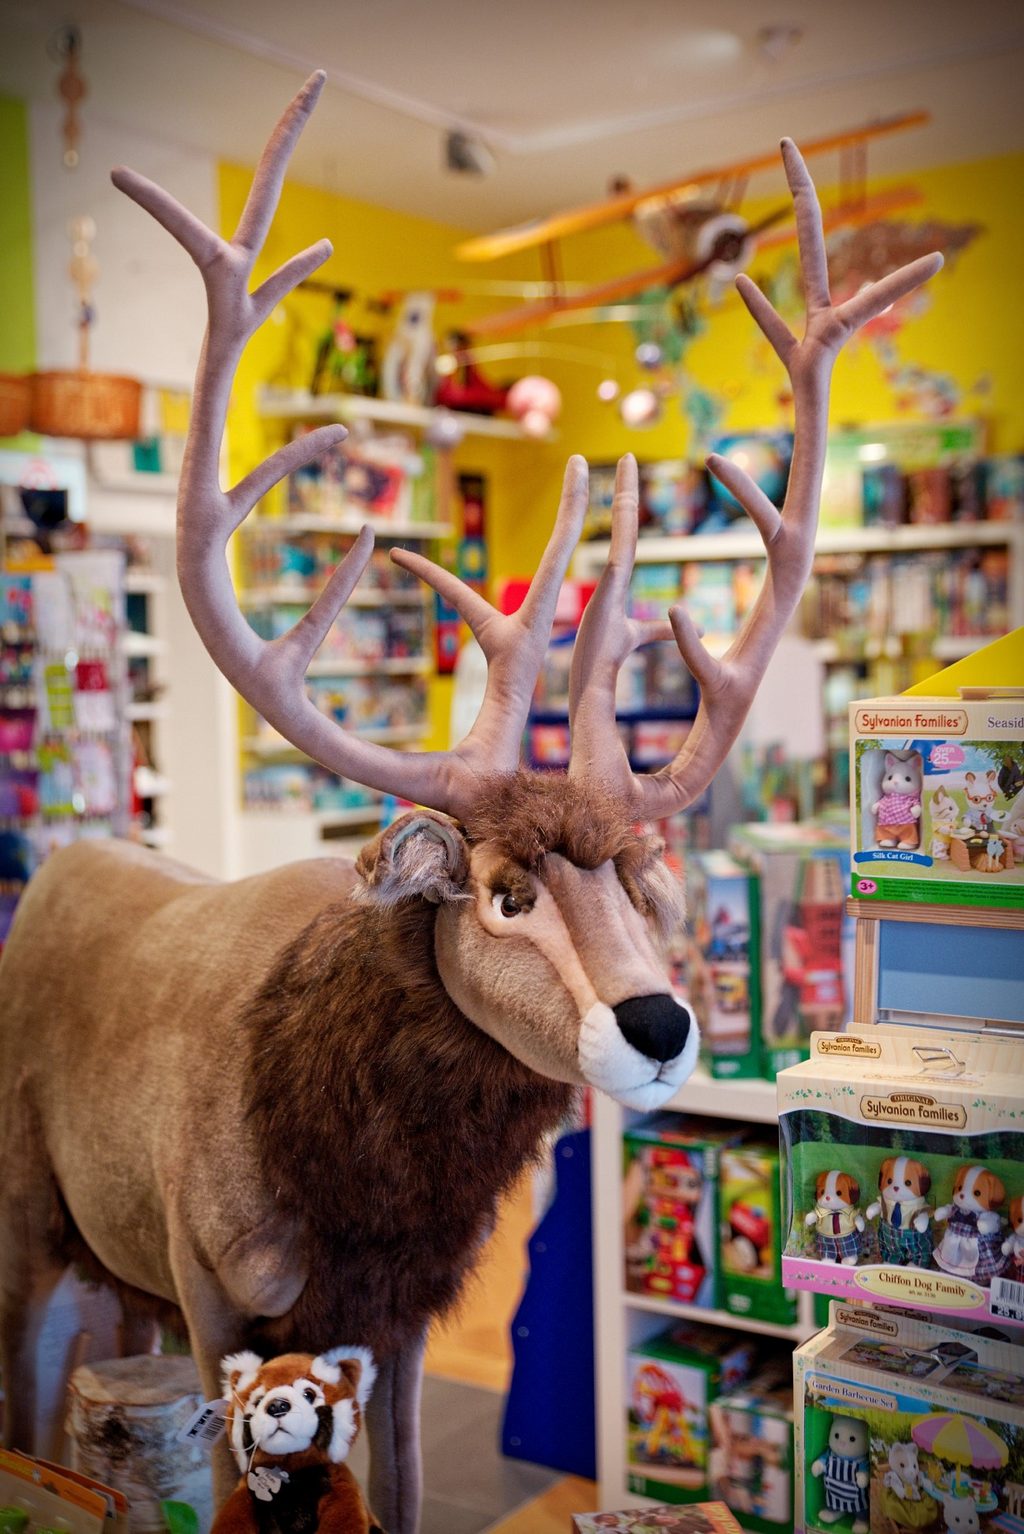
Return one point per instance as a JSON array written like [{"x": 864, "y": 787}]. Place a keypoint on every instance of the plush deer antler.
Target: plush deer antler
[
  {"x": 607, "y": 636},
  {"x": 270, "y": 675}
]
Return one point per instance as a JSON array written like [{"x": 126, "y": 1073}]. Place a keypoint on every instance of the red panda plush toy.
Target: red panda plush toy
[{"x": 290, "y": 1424}]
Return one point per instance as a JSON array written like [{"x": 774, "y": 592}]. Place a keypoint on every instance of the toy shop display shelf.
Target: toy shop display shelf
[
  {"x": 302, "y": 596},
  {"x": 298, "y": 405},
  {"x": 674, "y": 1310},
  {"x": 395, "y": 735},
  {"x": 402, "y": 665},
  {"x": 623, "y": 1319},
  {"x": 391, "y": 529},
  {"x": 753, "y": 1101},
  {"x": 746, "y": 544}
]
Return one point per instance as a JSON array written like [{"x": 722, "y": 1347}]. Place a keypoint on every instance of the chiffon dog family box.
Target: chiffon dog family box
[
  {"x": 903, "y": 1171},
  {"x": 905, "y": 1425},
  {"x": 938, "y": 800}
]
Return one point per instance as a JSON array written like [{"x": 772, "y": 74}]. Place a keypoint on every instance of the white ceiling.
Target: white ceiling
[{"x": 565, "y": 92}]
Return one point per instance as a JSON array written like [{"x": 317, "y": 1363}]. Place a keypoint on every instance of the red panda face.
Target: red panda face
[
  {"x": 1017, "y": 1214},
  {"x": 295, "y": 1409}
]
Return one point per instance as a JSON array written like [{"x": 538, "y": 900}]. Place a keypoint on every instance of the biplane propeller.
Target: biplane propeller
[{"x": 694, "y": 224}]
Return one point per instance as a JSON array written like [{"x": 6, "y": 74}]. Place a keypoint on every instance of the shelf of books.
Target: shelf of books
[
  {"x": 373, "y": 672},
  {"x": 919, "y": 558}
]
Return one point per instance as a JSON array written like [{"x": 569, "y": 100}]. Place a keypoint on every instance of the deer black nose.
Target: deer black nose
[
  {"x": 657, "y": 1026},
  {"x": 278, "y": 1407}
]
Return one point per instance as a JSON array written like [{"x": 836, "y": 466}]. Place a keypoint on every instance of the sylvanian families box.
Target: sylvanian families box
[
  {"x": 670, "y": 1207},
  {"x": 672, "y": 1381},
  {"x": 938, "y": 800},
  {"x": 903, "y": 1424},
  {"x": 903, "y": 1171},
  {"x": 750, "y": 1219}
]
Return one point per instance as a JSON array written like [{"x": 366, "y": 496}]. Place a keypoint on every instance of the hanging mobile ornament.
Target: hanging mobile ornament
[
  {"x": 73, "y": 91},
  {"x": 78, "y": 402}
]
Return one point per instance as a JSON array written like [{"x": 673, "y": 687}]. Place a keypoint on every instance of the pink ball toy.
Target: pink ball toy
[{"x": 535, "y": 402}]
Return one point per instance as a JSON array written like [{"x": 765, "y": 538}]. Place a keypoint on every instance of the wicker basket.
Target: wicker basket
[
  {"x": 88, "y": 405},
  {"x": 15, "y": 394}
]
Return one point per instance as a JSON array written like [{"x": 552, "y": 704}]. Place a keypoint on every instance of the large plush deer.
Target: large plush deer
[{"x": 285, "y": 1108}]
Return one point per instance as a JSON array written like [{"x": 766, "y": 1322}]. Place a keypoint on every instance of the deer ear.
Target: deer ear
[{"x": 422, "y": 856}]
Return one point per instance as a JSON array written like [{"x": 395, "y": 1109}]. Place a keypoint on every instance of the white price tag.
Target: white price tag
[
  {"x": 1007, "y": 1299},
  {"x": 206, "y": 1425}
]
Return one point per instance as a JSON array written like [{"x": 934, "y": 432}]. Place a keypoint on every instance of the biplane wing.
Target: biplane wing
[
  {"x": 664, "y": 215},
  {"x": 675, "y": 273},
  {"x": 609, "y": 210}
]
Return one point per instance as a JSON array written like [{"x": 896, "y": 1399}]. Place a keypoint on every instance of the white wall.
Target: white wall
[{"x": 150, "y": 319}]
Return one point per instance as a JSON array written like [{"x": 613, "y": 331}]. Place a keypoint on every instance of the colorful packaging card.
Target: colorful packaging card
[
  {"x": 806, "y": 939},
  {"x": 903, "y": 1171},
  {"x": 672, "y": 1383},
  {"x": 724, "y": 970},
  {"x": 752, "y": 1452},
  {"x": 903, "y": 1424},
  {"x": 750, "y": 1215},
  {"x": 697, "y": 1518},
  {"x": 670, "y": 1207},
  {"x": 938, "y": 800}
]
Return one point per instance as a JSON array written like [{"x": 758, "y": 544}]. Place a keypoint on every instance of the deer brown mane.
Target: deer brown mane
[
  {"x": 417, "y": 1128},
  {"x": 420, "y": 1127}
]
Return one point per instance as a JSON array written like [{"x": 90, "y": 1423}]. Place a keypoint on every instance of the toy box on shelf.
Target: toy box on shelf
[
  {"x": 750, "y": 1221},
  {"x": 672, "y": 1382},
  {"x": 903, "y": 1170},
  {"x": 698, "y": 1518},
  {"x": 939, "y": 799},
  {"x": 670, "y": 1207},
  {"x": 752, "y": 1447},
  {"x": 805, "y": 956},
  {"x": 902, "y": 1424},
  {"x": 723, "y": 978}
]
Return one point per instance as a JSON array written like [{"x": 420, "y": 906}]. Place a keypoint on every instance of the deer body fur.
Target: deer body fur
[{"x": 265, "y": 1110}]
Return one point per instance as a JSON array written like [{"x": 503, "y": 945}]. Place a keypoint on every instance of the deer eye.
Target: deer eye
[{"x": 507, "y": 904}]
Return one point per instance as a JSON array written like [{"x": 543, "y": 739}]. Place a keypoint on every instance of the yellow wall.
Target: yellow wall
[
  {"x": 968, "y": 330},
  {"x": 374, "y": 250}
]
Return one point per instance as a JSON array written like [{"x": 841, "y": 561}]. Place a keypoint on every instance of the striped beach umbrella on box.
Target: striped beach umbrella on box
[{"x": 961, "y": 1440}]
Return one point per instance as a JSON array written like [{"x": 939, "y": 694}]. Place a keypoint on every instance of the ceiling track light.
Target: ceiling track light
[{"x": 466, "y": 155}]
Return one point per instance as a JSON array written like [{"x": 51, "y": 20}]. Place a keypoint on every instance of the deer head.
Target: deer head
[{"x": 550, "y": 901}]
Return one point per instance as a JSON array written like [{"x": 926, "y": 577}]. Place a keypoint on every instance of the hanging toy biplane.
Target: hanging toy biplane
[{"x": 693, "y": 223}]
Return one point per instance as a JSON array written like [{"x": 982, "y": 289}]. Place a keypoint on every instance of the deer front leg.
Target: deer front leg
[
  {"x": 30, "y": 1268},
  {"x": 393, "y": 1428},
  {"x": 215, "y": 1329}
]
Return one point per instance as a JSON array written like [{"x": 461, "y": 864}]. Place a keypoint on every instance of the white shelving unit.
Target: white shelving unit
[
  {"x": 300, "y": 596},
  {"x": 272, "y": 835},
  {"x": 623, "y": 1319},
  {"x": 147, "y": 588},
  {"x": 744, "y": 544},
  {"x": 298, "y": 405}
]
